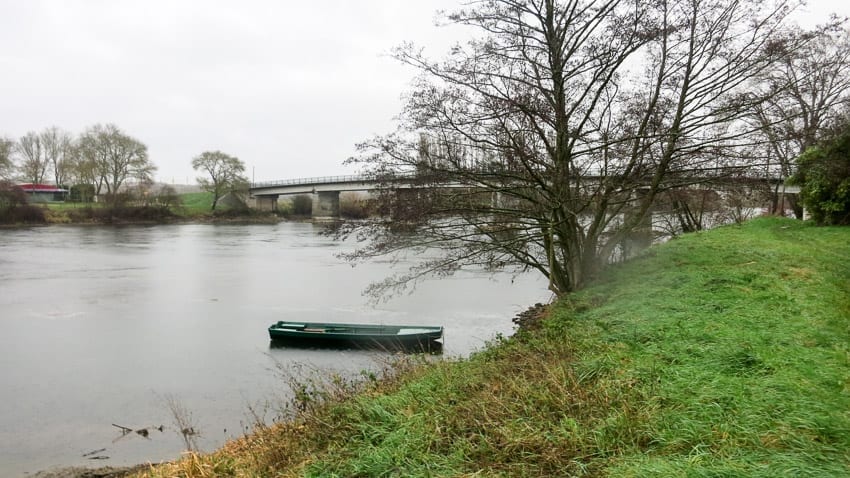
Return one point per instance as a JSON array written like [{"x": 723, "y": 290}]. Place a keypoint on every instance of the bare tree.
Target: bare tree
[
  {"x": 225, "y": 174},
  {"x": 7, "y": 150},
  {"x": 56, "y": 144},
  {"x": 33, "y": 162},
  {"x": 805, "y": 94},
  {"x": 82, "y": 158},
  {"x": 109, "y": 157},
  {"x": 542, "y": 146}
]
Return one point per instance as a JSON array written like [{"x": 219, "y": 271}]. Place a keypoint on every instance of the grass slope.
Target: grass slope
[
  {"x": 196, "y": 204},
  {"x": 724, "y": 353}
]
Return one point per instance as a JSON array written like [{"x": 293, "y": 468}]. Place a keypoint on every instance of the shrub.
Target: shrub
[
  {"x": 14, "y": 208},
  {"x": 28, "y": 214},
  {"x": 118, "y": 214},
  {"x": 302, "y": 205},
  {"x": 82, "y": 193},
  {"x": 167, "y": 197},
  {"x": 234, "y": 212},
  {"x": 11, "y": 195},
  {"x": 823, "y": 174},
  {"x": 353, "y": 207}
]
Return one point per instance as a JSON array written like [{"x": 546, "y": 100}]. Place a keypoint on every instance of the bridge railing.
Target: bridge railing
[
  {"x": 351, "y": 178},
  {"x": 317, "y": 180}
]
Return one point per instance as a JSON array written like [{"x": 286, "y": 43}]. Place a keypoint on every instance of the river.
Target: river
[{"x": 104, "y": 326}]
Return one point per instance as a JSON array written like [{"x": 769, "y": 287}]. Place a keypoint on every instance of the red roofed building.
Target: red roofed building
[{"x": 44, "y": 192}]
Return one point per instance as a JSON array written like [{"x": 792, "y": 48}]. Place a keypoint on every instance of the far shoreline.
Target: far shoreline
[{"x": 176, "y": 220}]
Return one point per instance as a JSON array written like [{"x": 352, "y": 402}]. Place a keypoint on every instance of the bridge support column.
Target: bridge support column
[
  {"x": 264, "y": 203},
  {"x": 326, "y": 205}
]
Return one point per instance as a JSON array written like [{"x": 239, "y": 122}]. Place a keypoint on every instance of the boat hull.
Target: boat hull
[{"x": 359, "y": 335}]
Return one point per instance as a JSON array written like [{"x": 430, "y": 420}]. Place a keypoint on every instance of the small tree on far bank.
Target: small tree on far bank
[{"x": 225, "y": 174}]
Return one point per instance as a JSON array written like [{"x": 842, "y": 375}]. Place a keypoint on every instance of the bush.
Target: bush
[
  {"x": 167, "y": 197},
  {"x": 823, "y": 174},
  {"x": 235, "y": 212},
  {"x": 353, "y": 207},
  {"x": 302, "y": 205},
  {"x": 27, "y": 214},
  {"x": 82, "y": 193},
  {"x": 119, "y": 214},
  {"x": 14, "y": 208}
]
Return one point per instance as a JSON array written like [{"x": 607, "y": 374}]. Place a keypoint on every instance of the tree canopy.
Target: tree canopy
[
  {"x": 805, "y": 96},
  {"x": 824, "y": 177},
  {"x": 224, "y": 174},
  {"x": 544, "y": 143},
  {"x": 33, "y": 159},
  {"x": 106, "y": 156},
  {"x": 57, "y": 146}
]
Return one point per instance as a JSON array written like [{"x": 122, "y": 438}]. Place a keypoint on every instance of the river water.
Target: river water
[{"x": 104, "y": 326}]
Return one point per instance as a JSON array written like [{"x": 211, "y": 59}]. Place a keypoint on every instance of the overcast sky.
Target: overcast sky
[{"x": 288, "y": 87}]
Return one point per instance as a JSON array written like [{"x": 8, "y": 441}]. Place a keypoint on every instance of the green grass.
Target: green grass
[
  {"x": 64, "y": 206},
  {"x": 723, "y": 353},
  {"x": 196, "y": 204},
  {"x": 191, "y": 205}
]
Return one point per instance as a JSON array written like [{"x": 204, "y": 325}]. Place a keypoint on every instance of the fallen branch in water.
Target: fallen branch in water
[
  {"x": 95, "y": 452},
  {"x": 124, "y": 430}
]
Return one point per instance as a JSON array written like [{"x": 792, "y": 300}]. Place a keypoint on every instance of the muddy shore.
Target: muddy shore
[{"x": 81, "y": 472}]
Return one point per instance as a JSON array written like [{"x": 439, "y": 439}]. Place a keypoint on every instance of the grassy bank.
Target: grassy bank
[
  {"x": 192, "y": 207},
  {"x": 724, "y": 353}
]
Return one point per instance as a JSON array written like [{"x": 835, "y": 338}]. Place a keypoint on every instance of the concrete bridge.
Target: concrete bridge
[{"x": 325, "y": 191}]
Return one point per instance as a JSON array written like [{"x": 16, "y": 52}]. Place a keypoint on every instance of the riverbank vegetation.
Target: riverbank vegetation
[
  {"x": 824, "y": 176},
  {"x": 164, "y": 208},
  {"x": 720, "y": 353}
]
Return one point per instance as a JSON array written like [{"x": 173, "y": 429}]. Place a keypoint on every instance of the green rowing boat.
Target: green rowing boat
[{"x": 360, "y": 333}]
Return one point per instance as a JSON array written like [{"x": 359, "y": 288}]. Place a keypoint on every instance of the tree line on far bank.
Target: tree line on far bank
[
  {"x": 103, "y": 157},
  {"x": 102, "y": 162}
]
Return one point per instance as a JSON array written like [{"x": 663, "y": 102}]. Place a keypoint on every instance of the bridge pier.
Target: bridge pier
[
  {"x": 326, "y": 205},
  {"x": 264, "y": 203}
]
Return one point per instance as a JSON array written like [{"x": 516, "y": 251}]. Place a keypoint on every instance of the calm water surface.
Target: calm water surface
[{"x": 105, "y": 325}]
